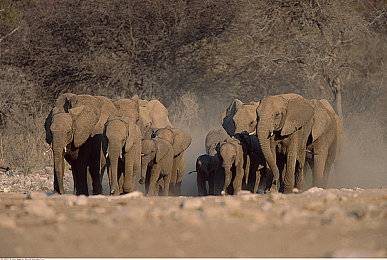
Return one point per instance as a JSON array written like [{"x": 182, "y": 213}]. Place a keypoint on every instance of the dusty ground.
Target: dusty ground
[{"x": 316, "y": 223}]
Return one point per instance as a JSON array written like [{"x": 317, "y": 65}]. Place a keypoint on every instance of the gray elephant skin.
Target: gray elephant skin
[
  {"x": 283, "y": 128},
  {"x": 239, "y": 117},
  {"x": 156, "y": 164},
  {"x": 74, "y": 129},
  {"x": 180, "y": 142},
  {"x": 325, "y": 142},
  {"x": 122, "y": 148}
]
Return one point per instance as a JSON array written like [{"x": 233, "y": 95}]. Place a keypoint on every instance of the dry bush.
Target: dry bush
[{"x": 184, "y": 111}]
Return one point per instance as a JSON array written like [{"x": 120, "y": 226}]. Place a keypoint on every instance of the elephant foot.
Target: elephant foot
[
  {"x": 274, "y": 187},
  {"x": 142, "y": 180}
]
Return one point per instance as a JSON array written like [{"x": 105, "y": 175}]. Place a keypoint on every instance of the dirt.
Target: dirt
[{"x": 315, "y": 223}]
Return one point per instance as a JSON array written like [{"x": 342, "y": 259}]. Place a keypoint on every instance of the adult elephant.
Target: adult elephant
[
  {"x": 325, "y": 142},
  {"x": 180, "y": 142},
  {"x": 284, "y": 125},
  {"x": 122, "y": 148},
  {"x": 152, "y": 114},
  {"x": 74, "y": 129},
  {"x": 156, "y": 164},
  {"x": 257, "y": 178},
  {"x": 239, "y": 117}
]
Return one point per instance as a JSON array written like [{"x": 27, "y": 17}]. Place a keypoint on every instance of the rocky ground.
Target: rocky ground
[{"x": 315, "y": 223}]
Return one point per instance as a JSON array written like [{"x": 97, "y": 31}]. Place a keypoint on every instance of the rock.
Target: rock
[
  {"x": 39, "y": 208},
  {"x": 6, "y": 189},
  {"x": 192, "y": 204},
  {"x": 132, "y": 195},
  {"x": 357, "y": 213},
  {"x": 36, "y": 195},
  {"x": 243, "y": 192},
  {"x": 7, "y": 222},
  {"x": 314, "y": 190},
  {"x": 81, "y": 200}
]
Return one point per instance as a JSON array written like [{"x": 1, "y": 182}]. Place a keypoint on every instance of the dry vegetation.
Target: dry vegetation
[{"x": 195, "y": 56}]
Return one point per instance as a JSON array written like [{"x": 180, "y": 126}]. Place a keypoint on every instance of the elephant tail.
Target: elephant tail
[{"x": 192, "y": 172}]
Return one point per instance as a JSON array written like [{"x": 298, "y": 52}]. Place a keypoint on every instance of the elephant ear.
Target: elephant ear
[
  {"x": 65, "y": 101},
  {"x": 162, "y": 148},
  {"x": 181, "y": 141},
  {"x": 105, "y": 110},
  {"x": 47, "y": 124},
  {"x": 298, "y": 113},
  {"x": 159, "y": 114},
  {"x": 84, "y": 121},
  {"x": 228, "y": 115},
  {"x": 321, "y": 121}
]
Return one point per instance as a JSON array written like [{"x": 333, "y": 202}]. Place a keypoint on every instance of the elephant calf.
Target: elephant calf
[{"x": 209, "y": 170}]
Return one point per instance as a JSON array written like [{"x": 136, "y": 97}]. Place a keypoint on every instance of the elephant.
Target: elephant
[
  {"x": 156, "y": 164},
  {"x": 283, "y": 128},
  {"x": 128, "y": 108},
  {"x": 230, "y": 153},
  {"x": 180, "y": 142},
  {"x": 74, "y": 129},
  {"x": 257, "y": 178},
  {"x": 122, "y": 147},
  {"x": 325, "y": 141},
  {"x": 239, "y": 117},
  {"x": 213, "y": 138},
  {"x": 152, "y": 114},
  {"x": 208, "y": 169}
]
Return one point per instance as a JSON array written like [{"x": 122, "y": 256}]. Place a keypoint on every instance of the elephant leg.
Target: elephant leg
[
  {"x": 289, "y": 175},
  {"x": 211, "y": 183},
  {"x": 167, "y": 180},
  {"x": 154, "y": 176},
  {"x": 94, "y": 178},
  {"x": 128, "y": 174},
  {"x": 328, "y": 167},
  {"x": 59, "y": 173},
  {"x": 260, "y": 181},
  {"x": 320, "y": 157},
  {"x": 201, "y": 183},
  {"x": 80, "y": 171},
  {"x": 227, "y": 181},
  {"x": 237, "y": 184}
]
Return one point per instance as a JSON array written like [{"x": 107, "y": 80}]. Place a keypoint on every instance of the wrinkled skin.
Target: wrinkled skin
[
  {"x": 240, "y": 117},
  {"x": 209, "y": 169},
  {"x": 283, "y": 128},
  {"x": 156, "y": 164},
  {"x": 213, "y": 138},
  {"x": 122, "y": 147},
  {"x": 152, "y": 114},
  {"x": 325, "y": 141},
  {"x": 231, "y": 156},
  {"x": 256, "y": 176},
  {"x": 180, "y": 142},
  {"x": 74, "y": 127}
]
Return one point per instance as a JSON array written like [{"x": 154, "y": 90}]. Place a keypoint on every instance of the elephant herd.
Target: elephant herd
[
  {"x": 124, "y": 136},
  {"x": 264, "y": 145}
]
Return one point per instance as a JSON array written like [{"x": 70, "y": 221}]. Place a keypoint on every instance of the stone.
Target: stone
[
  {"x": 132, "y": 195},
  {"x": 192, "y": 204},
  {"x": 36, "y": 195},
  {"x": 314, "y": 190}
]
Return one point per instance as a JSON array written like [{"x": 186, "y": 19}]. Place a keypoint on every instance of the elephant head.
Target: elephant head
[
  {"x": 213, "y": 138},
  {"x": 120, "y": 133},
  {"x": 179, "y": 140},
  {"x": 240, "y": 117},
  {"x": 152, "y": 114},
  {"x": 231, "y": 154},
  {"x": 152, "y": 152},
  {"x": 128, "y": 108},
  {"x": 281, "y": 115}
]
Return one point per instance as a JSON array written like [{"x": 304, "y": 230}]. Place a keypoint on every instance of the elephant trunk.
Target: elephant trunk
[
  {"x": 144, "y": 168},
  {"x": 227, "y": 176},
  {"x": 58, "y": 170},
  {"x": 264, "y": 141},
  {"x": 113, "y": 170}
]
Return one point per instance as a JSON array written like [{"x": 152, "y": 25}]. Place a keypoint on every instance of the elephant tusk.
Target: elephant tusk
[
  {"x": 107, "y": 155},
  {"x": 253, "y": 132},
  {"x": 142, "y": 154},
  {"x": 121, "y": 154},
  {"x": 49, "y": 149},
  {"x": 65, "y": 149},
  {"x": 271, "y": 134}
]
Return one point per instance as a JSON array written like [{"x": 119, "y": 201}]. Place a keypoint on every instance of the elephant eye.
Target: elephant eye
[
  {"x": 276, "y": 115},
  {"x": 252, "y": 122}
]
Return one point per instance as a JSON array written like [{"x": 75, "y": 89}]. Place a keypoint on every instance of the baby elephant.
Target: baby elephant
[{"x": 209, "y": 170}]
